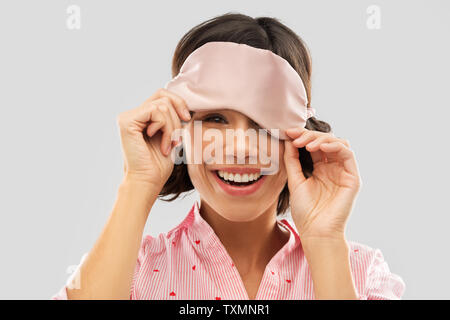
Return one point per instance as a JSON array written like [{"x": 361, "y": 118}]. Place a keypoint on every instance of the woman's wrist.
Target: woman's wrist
[
  {"x": 131, "y": 180},
  {"x": 319, "y": 250},
  {"x": 324, "y": 242},
  {"x": 139, "y": 191},
  {"x": 329, "y": 262}
]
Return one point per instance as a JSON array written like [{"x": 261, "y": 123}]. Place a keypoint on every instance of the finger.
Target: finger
[
  {"x": 312, "y": 139},
  {"x": 305, "y": 138},
  {"x": 295, "y": 132},
  {"x": 143, "y": 113},
  {"x": 318, "y": 156},
  {"x": 172, "y": 112},
  {"x": 157, "y": 120},
  {"x": 174, "y": 119},
  {"x": 292, "y": 163},
  {"x": 166, "y": 142},
  {"x": 154, "y": 127},
  {"x": 339, "y": 152},
  {"x": 178, "y": 102},
  {"x": 137, "y": 118},
  {"x": 176, "y": 126},
  {"x": 313, "y": 145},
  {"x": 344, "y": 141}
]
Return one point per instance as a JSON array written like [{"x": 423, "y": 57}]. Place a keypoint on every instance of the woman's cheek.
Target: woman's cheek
[{"x": 196, "y": 176}]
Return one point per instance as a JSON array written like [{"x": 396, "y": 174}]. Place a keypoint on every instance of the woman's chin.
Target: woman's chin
[{"x": 239, "y": 218}]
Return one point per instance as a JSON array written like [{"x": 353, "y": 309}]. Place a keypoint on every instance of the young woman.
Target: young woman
[{"x": 231, "y": 245}]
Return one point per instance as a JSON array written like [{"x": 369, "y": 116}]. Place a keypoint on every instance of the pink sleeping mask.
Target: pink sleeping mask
[{"x": 256, "y": 82}]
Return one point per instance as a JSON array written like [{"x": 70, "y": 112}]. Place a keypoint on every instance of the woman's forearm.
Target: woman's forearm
[
  {"x": 107, "y": 271},
  {"x": 329, "y": 263}
]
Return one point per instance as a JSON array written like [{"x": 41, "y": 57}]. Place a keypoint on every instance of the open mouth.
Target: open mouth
[{"x": 238, "y": 179}]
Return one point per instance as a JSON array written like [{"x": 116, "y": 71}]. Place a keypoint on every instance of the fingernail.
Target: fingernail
[{"x": 187, "y": 114}]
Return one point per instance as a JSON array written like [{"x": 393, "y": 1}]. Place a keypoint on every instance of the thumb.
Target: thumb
[{"x": 293, "y": 165}]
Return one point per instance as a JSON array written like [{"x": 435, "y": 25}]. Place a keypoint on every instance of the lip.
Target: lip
[
  {"x": 239, "y": 191},
  {"x": 240, "y": 170}
]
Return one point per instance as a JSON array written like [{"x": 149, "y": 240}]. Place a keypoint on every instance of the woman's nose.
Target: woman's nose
[{"x": 242, "y": 143}]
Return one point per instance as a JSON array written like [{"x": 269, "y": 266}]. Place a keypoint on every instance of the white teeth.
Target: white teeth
[{"x": 246, "y": 177}]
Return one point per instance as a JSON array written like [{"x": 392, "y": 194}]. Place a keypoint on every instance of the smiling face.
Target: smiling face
[{"x": 237, "y": 190}]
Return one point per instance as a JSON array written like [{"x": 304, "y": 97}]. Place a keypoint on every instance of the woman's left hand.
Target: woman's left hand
[{"x": 321, "y": 204}]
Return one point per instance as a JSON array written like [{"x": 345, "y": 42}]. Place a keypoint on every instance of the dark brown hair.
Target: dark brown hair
[{"x": 264, "y": 33}]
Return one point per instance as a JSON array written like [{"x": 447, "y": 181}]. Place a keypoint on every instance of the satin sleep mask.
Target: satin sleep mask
[{"x": 256, "y": 82}]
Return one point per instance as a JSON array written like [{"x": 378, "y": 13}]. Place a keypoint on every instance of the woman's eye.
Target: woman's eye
[
  {"x": 256, "y": 125},
  {"x": 215, "y": 118}
]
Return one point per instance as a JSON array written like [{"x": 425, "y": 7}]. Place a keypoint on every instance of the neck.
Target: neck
[{"x": 252, "y": 243}]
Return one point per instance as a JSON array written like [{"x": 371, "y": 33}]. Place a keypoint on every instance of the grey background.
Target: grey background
[{"x": 385, "y": 90}]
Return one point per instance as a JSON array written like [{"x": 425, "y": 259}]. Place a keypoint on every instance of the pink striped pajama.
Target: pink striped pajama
[{"x": 190, "y": 262}]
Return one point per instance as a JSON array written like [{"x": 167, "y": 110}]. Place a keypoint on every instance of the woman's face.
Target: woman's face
[{"x": 233, "y": 201}]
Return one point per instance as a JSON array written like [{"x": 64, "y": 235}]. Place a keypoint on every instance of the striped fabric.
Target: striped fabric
[{"x": 190, "y": 262}]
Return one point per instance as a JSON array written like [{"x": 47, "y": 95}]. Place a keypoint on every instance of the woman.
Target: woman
[{"x": 231, "y": 245}]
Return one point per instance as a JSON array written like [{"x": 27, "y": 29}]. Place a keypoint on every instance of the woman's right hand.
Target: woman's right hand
[{"x": 145, "y": 134}]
